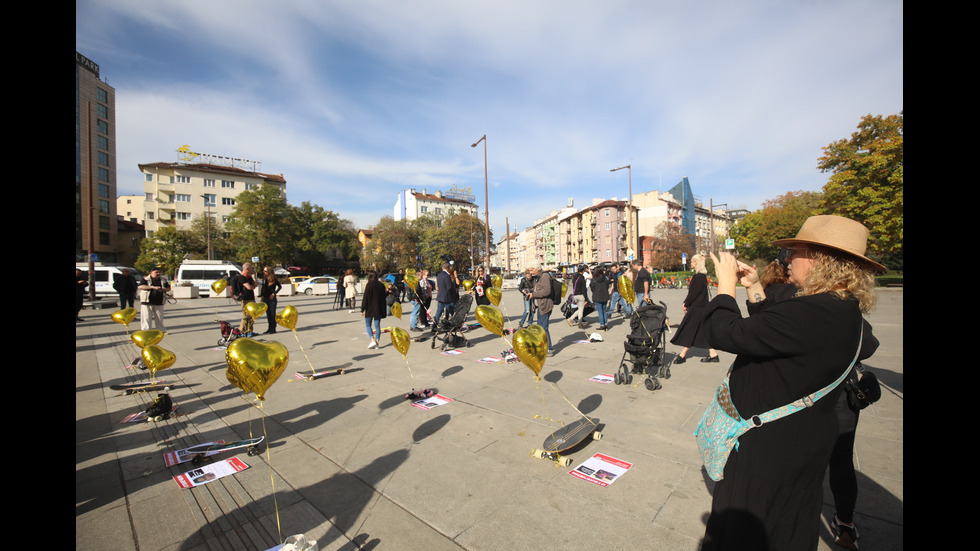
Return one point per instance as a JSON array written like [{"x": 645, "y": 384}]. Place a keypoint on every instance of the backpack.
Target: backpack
[
  {"x": 236, "y": 287},
  {"x": 555, "y": 289}
]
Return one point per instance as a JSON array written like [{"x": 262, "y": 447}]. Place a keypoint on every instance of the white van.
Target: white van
[
  {"x": 105, "y": 276},
  {"x": 202, "y": 273}
]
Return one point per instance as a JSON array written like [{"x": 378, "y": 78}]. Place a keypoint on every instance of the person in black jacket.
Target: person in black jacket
[
  {"x": 600, "y": 287},
  {"x": 125, "y": 284},
  {"x": 689, "y": 333},
  {"x": 270, "y": 296},
  {"x": 526, "y": 287},
  {"x": 771, "y": 495},
  {"x": 374, "y": 308}
]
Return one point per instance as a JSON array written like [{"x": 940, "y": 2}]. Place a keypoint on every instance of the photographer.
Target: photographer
[{"x": 153, "y": 290}]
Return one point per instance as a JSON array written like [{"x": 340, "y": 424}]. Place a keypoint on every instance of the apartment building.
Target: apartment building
[
  {"x": 95, "y": 164},
  {"x": 177, "y": 193}
]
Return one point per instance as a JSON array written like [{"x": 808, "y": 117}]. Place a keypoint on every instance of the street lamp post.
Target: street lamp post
[
  {"x": 486, "y": 201},
  {"x": 207, "y": 205},
  {"x": 630, "y": 241}
]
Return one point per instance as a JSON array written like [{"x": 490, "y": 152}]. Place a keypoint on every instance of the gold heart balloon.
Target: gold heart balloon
[
  {"x": 396, "y": 310},
  {"x": 287, "y": 318},
  {"x": 124, "y": 316},
  {"x": 531, "y": 347},
  {"x": 219, "y": 286},
  {"x": 491, "y": 318},
  {"x": 401, "y": 340},
  {"x": 468, "y": 284},
  {"x": 254, "y": 366},
  {"x": 564, "y": 288},
  {"x": 256, "y": 309},
  {"x": 494, "y": 294},
  {"x": 625, "y": 287},
  {"x": 497, "y": 281},
  {"x": 411, "y": 282},
  {"x": 146, "y": 337},
  {"x": 156, "y": 358}
]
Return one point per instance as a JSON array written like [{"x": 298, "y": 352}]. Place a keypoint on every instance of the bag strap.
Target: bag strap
[{"x": 809, "y": 400}]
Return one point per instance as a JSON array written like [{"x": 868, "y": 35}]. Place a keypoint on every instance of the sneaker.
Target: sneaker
[
  {"x": 551, "y": 353},
  {"x": 373, "y": 344},
  {"x": 844, "y": 536}
]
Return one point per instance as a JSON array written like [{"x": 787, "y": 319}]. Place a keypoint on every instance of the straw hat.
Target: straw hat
[{"x": 835, "y": 232}]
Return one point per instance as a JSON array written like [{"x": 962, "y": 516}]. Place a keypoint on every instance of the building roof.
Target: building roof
[
  {"x": 439, "y": 198},
  {"x": 609, "y": 203},
  {"x": 216, "y": 169}
]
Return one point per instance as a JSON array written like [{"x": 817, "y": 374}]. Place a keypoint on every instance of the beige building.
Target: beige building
[
  {"x": 178, "y": 193},
  {"x": 130, "y": 208},
  {"x": 411, "y": 204}
]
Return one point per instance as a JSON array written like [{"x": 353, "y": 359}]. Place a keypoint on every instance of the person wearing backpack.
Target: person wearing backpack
[
  {"x": 579, "y": 296},
  {"x": 544, "y": 296}
]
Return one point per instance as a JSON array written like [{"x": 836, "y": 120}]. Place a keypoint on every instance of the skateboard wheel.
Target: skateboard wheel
[
  {"x": 254, "y": 450},
  {"x": 597, "y": 435},
  {"x": 537, "y": 454},
  {"x": 566, "y": 461}
]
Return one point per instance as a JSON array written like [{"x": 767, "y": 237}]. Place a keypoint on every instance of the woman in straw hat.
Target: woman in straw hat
[{"x": 771, "y": 494}]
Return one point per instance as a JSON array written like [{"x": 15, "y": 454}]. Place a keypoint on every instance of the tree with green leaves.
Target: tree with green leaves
[
  {"x": 166, "y": 249},
  {"x": 867, "y": 182},
  {"x": 322, "y": 236},
  {"x": 197, "y": 241},
  {"x": 778, "y": 218},
  {"x": 393, "y": 246},
  {"x": 671, "y": 243},
  {"x": 262, "y": 225}
]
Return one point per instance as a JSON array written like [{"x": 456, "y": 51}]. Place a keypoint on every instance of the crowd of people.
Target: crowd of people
[{"x": 804, "y": 335}]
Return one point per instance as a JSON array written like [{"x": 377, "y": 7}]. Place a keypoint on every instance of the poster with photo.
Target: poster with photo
[
  {"x": 603, "y": 378},
  {"x": 210, "y": 473},
  {"x": 182, "y": 456},
  {"x": 432, "y": 402},
  {"x": 601, "y": 470}
]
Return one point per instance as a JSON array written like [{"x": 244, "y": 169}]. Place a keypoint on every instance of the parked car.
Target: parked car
[
  {"x": 307, "y": 286},
  {"x": 298, "y": 279}
]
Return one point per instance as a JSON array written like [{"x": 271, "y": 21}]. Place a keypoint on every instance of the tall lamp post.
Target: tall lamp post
[
  {"x": 486, "y": 202},
  {"x": 207, "y": 205},
  {"x": 630, "y": 241}
]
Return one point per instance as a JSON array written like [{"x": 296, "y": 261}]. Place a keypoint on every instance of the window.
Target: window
[
  {"x": 249, "y": 187},
  {"x": 209, "y": 199},
  {"x": 425, "y": 210},
  {"x": 607, "y": 213},
  {"x": 103, "y": 191},
  {"x": 103, "y": 158},
  {"x": 182, "y": 179},
  {"x": 102, "y": 110},
  {"x": 149, "y": 215},
  {"x": 227, "y": 201},
  {"x": 104, "y": 174},
  {"x": 147, "y": 196},
  {"x": 101, "y": 95},
  {"x": 103, "y": 238},
  {"x": 103, "y": 206},
  {"x": 103, "y": 222},
  {"x": 228, "y": 184},
  {"x": 607, "y": 225},
  {"x": 148, "y": 178},
  {"x": 103, "y": 142},
  {"x": 608, "y": 253},
  {"x": 183, "y": 216},
  {"x": 438, "y": 210},
  {"x": 182, "y": 198},
  {"x": 102, "y": 127},
  {"x": 208, "y": 182}
]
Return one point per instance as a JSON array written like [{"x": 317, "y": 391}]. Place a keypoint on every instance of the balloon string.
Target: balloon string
[
  {"x": 272, "y": 478},
  {"x": 312, "y": 369},
  {"x": 562, "y": 394},
  {"x": 410, "y": 374}
]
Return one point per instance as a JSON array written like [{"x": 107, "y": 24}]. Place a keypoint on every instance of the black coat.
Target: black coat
[
  {"x": 785, "y": 351},
  {"x": 373, "y": 302}
]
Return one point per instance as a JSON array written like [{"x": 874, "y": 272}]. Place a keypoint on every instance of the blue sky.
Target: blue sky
[{"x": 355, "y": 100}]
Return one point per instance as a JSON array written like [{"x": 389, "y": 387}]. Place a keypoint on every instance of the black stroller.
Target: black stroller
[
  {"x": 450, "y": 331},
  {"x": 644, "y": 347}
]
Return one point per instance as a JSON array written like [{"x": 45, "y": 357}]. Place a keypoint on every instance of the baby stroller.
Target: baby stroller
[
  {"x": 450, "y": 331},
  {"x": 228, "y": 333},
  {"x": 644, "y": 347}
]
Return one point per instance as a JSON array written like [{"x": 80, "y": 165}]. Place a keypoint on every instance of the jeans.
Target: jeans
[
  {"x": 416, "y": 307},
  {"x": 528, "y": 311},
  {"x": 617, "y": 300},
  {"x": 544, "y": 320},
  {"x": 126, "y": 301},
  {"x": 270, "y": 313},
  {"x": 448, "y": 306},
  {"x": 376, "y": 334},
  {"x": 600, "y": 307}
]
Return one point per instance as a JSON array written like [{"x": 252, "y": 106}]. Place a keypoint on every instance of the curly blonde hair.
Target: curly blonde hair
[{"x": 840, "y": 275}]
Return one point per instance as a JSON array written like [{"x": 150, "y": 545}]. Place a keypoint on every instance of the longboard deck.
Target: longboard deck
[
  {"x": 322, "y": 374},
  {"x": 201, "y": 451},
  {"x": 132, "y": 388},
  {"x": 566, "y": 438}
]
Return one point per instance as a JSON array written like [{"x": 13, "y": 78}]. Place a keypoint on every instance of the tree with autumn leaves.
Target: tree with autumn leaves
[{"x": 866, "y": 184}]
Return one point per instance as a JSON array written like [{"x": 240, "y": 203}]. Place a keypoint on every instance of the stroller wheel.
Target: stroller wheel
[
  {"x": 629, "y": 379},
  {"x": 652, "y": 384},
  {"x": 616, "y": 379}
]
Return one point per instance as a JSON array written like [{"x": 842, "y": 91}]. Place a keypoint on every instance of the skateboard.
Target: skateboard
[
  {"x": 421, "y": 394},
  {"x": 198, "y": 453},
  {"x": 133, "y": 388},
  {"x": 567, "y": 438},
  {"x": 322, "y": 374}
]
